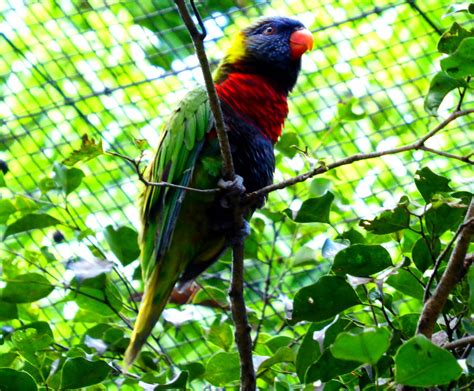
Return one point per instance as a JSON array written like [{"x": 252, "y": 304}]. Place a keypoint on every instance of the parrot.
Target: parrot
[{"x": 184, "y": 232}]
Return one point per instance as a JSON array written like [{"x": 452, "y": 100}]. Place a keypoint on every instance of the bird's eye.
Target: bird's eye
[{"x": 268, "y": 30}]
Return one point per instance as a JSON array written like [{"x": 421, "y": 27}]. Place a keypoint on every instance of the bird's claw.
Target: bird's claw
[
  {"x": 232, "y": 188},
  {"x": 235, "y": 186}
]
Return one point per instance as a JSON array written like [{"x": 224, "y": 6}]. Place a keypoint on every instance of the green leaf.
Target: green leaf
[
  {"x": 461, "y": 62},
  {"x": 195, "y": 369},
  {"x": 389, "y": 220},
  {"x": 420, "y": 363},
  {"x": 8, "y": 311},
  {"x": 211, "y": 296},
  {"x": 327, "y": 367},
  {"x": 29, "y": 222},
  {"x": 26, "y": 288},
  {"x": 429, "y": 184},
  {"x": 223, "y": 368},
  {"x": 450, "y": 40},
  {"x": 442, "y": 217},
  {"x": 6, "y": 209},
  {"x": 68, "y": 179},
  {"x": 345, "y": 110},
  {"x": 366, "y": 346},
  {"x": 361, "y": 260},
  {"x": 88, "y": 150},
  {"x": 284, "y": 354},
  {"x": 287, "y": 143},
  {"x": 406, "y": 283},
  {"x": 11, "y": 380},
  {"x": 78, "y": 372},
  {"x": 423, "y": 253},
  {"x": 221, "y": 335},
  {"x": 178, "y": 383},
  {"x": 97, "y": 294},
  {"x": 30, "y": 340},
  {"x": 2, "y": 180},
  {"x": 308, "y": 352},
  {"x": 313, "y": 210},
  {"x": 408, "y": 323},
  {"x": 440, "y": 86},
  {"x": 326, "y": 298},
  {"x": 123, "y": 242}
]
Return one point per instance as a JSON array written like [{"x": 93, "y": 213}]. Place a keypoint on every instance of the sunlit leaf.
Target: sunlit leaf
[
  {"x": 26, "y": 288},
  {"x": 405, "y": 282},
  {"x": 440, "y": 86},
  {"x": 88, "y": 150},
  {"x": 313, "y": 210},
  {"x": 30, "y": 222},
  {"x": 428, "y": 183},
  {"x": 365, "y": 346},
  {"x": 221, "y": 335},
  {"x": 223, "y": 368},
  {"x": 420, "y": 363},
  {"x": 451, "y": 39},
  {"x": 123, "y": 242},
  {"x": 68, "y": 179},
  {"x": 389, "y": 221},
  {"x": 461, "y": 62}
]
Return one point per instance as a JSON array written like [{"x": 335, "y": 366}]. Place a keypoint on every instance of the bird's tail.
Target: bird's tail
[{"x": 153, "y": 302}]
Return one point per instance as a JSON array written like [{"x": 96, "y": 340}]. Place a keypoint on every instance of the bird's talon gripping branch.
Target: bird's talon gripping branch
[
  {"x": 231, "y": 189},
  {"x": 234, "y": 187}
]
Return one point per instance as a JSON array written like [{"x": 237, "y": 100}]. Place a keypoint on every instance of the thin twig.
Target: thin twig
[
  {"x": 239, "y": 314},
  {"x": 136, "y": 165},
  {"x": 419, "y": 144},
  {"x": 465, "y": 159},
  {"x": 450, "y": 277},
  {"x": 460, "y": 342}
]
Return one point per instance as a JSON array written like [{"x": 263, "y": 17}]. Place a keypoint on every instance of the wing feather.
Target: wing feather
[{"x": 181, "y": 142}]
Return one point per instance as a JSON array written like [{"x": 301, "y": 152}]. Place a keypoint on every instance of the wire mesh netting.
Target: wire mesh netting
[{"x": 114, "y": 70}]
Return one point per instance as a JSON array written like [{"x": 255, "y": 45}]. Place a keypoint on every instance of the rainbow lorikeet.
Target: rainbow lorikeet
[{"x": 184, "y": 232}]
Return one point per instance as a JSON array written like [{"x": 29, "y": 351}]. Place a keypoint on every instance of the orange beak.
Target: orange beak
[{"x": 300, "y": 41}]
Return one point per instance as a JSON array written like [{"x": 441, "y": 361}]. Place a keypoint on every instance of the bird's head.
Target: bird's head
[{"x": 272, "y": 47}]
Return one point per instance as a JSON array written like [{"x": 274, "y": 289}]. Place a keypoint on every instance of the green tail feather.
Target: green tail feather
[{"x": 154, "y": 301}]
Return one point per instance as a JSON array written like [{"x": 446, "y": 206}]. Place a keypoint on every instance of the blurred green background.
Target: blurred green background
[{"x": 115, "y": 69}]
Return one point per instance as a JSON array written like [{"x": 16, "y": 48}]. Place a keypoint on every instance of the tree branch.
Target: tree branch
[
  {"x": 460, "y": 342},
  {"x": 419, "y": 144},
  {"x": 438, "y": 261},
  {"x": 239, "y": 313},
  {"x": 450, "y": 277}
]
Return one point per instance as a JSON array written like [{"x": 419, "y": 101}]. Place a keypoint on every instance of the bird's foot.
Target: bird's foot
[
  {"x": 231, "y": 188},
  {"x": 239, "y": 235}
]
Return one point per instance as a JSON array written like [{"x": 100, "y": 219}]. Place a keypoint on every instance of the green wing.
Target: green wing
[{"x": 181, "y": 142}]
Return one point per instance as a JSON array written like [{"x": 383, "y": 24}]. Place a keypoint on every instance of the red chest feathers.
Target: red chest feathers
[{"x": 257, "y": 101}]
